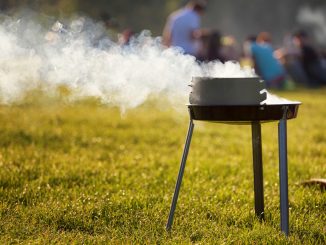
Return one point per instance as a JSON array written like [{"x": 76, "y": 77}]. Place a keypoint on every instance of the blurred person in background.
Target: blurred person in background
[
  {"x": 125, "y": 37},
  {"x": 211, "y": 46},
  {"x": 182, "y": 28},
  {"x": 289, "y": 55},
  {"x": 311, "y": 60},
  {"x": 217, "y": 47},
  {"x": 229, "y": 48},
  {"x": 266, "y": 64},
  {"x": 323, "y": 59},
  {"x": 110, "y": 25},
  {"x": 246, "y": 58}
]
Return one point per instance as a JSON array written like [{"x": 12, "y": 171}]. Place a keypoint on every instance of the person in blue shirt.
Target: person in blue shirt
[
  {"x": 183, "y": 28},
  {"x": 266, "y": 65}
]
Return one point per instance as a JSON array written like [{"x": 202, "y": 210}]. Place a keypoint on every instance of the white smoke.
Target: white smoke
[
  {"x": 79, "y": 56},
  {"x": 272, "y": 99},
  {"x": 316, "y": 18}
]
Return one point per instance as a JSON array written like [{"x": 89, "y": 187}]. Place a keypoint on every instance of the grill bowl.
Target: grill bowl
[{"x": 227, "y": 91}]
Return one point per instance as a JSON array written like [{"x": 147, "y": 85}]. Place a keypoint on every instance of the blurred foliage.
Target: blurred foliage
[
  {"x": 125, "y": 13},
  {"x": 238, "y": 17}
]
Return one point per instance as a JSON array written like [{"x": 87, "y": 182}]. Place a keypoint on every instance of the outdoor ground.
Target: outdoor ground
[{"x": 82, "y": 173}]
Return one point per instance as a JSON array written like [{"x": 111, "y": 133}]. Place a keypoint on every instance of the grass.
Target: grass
[{"x": 82, "y": 173}]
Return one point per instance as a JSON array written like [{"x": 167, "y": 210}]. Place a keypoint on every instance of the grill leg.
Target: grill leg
[
  {"x": 180, "y": 175},
  {"x": 283, "y": 168},
  {"x": 258, "y": 169}
]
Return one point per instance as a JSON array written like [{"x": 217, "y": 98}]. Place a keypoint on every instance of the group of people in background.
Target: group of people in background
[{"x": 297, "y": 60}]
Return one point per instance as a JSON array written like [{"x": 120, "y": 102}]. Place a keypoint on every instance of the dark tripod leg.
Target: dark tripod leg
[
  {"x": 180, "y": 175},
  {"x": 283, "y": 162},
  {"x": 258, "y": 169}
]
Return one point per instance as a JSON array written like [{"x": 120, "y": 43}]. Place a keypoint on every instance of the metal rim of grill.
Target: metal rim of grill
[{"x": 242, "y": 113}]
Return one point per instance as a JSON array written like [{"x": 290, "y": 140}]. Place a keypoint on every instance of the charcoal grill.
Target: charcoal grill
[{"x": 254, "y": 115}]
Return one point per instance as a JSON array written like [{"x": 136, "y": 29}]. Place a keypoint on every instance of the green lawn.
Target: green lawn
[{"x": 83, "y": 173}]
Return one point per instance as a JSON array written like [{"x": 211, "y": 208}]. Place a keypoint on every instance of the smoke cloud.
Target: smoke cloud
[{"x": 79, "y": 56}]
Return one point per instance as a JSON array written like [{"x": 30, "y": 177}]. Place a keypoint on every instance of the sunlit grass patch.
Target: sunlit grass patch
[{"x": 85, "y": 173}]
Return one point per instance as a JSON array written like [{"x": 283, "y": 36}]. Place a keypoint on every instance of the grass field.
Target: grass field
[{"x": 82, "y": 173}]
